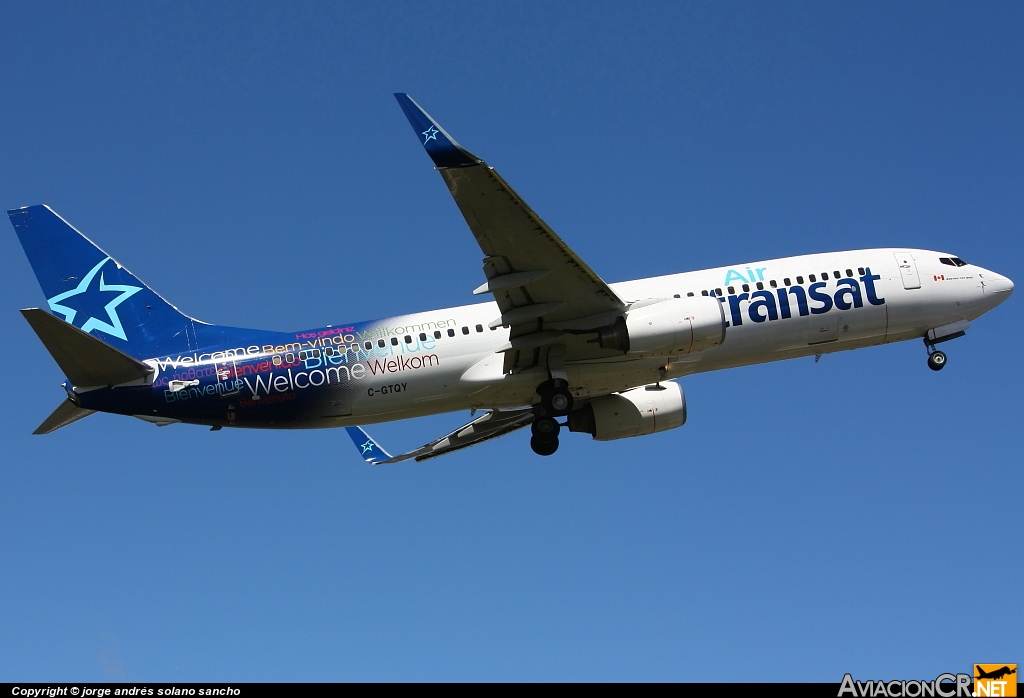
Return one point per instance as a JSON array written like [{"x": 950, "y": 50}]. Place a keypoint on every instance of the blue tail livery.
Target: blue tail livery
[
  {"x": 87, "y": 288},
  {"x": 555, "y": 348}
]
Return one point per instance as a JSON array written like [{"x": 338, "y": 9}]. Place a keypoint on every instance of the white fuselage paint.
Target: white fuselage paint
[{"x": 469, "y": 373}]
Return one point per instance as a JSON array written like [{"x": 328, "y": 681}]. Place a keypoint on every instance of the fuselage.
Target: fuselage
[{"x": 448, "y": 359}]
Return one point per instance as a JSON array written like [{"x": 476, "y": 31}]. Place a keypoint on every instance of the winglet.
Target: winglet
[
  {"x": 440, "y": 146},
  {"x": 369, "y": 449}
]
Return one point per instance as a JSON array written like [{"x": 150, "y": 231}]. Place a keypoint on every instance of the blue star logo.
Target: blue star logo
[
  {"x": 367, "y": 447},
  {"x": 113, "y": 327},
  {"x": 430, "y": 135}
]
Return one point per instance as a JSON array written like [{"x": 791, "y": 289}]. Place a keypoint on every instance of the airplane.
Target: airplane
[
  {"x": 995, "y": 674},
  {"x": 555, "y": 347}
]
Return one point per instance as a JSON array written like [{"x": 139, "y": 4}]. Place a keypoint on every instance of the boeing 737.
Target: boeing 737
[{"x": 554, "y": 347}]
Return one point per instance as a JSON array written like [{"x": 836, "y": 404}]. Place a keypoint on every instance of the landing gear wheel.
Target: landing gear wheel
[
  {"x": 544, "y": 447},
  {"x": 557, "y": 401},
  {"x": 936, "y": 360},
  {"x": 545, "y": 428}
]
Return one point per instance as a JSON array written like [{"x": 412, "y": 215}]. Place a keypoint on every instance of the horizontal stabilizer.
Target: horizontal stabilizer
[
  {"x": 64, "y": 415},
  {"x": 85, "y": 360}
]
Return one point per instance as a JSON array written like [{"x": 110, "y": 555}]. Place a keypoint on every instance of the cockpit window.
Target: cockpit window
[
  {"x": 953, "y": 261},
  {"x": 947, "y": 260},
  {"x": 959, "y": 262}
]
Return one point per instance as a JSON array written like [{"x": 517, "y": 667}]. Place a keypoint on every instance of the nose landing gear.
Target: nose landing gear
[{"x": 936, "y": 358}]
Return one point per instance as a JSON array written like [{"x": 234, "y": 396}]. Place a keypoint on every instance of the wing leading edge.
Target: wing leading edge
[{"x": 539, "y": 283}]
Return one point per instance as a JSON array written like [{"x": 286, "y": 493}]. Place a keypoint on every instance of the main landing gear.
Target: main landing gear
[
  {"x": 545, "y": 436},
  {"x": 936, "y": 358},
  {"x": 555, "y": 398},
  {"x": 555, "y": 401}
]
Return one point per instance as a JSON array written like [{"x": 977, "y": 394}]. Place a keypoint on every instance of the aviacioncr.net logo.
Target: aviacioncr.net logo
[
  {"x": 943, "y": 686},
  {"x": 995, "y": 680}
]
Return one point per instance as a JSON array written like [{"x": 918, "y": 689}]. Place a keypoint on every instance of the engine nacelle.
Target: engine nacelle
[
  {"x": 632, "y": 413},
  {"x": 668, "y": 328}
]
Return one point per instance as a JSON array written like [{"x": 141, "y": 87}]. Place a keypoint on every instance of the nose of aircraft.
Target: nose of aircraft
[{"x": 998, "y": 285}]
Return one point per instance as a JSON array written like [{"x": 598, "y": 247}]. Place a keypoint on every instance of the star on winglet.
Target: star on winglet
[
  {"x": 369, "y": 449},
  {"x": 113, "y": 328},
  {"x": 430, "y": 134}
]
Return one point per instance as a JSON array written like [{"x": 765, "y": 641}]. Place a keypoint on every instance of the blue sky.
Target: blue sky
[{"x": 249, "y": 163}]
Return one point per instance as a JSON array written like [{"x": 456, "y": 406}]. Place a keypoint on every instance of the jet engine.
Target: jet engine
[
  {"x": 634, "y": 412},
  {"x": 671, "y": 327}
]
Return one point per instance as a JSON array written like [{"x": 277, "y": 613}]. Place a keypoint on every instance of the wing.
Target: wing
[
  {"x": 489, "y": 425},
  {"x": 541, "y": 286}
]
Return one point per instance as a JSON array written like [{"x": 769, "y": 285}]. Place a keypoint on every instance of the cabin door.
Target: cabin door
[{"x": 908, "y": 270}]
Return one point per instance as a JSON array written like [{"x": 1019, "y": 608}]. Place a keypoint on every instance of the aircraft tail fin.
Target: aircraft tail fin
[
  {"x": 85, "y": 360},
  {"x": 369, "y": 449},
  {"x": 67, "y": 413},
  {"x": 89, "y": 290}
]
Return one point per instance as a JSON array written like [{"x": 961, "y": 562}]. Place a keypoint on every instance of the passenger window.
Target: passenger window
[
  {"x": 690, "y": 294},
  {"x": 437, "y": 334},
  {"x": 746, "y": 287},
  {"x": 786, "y": 282},
  {"x": 773, "y": 284},
  {"x": 290, "y": 358},
  {"x": 328, "y": 351},
  {"x": 303, "y": 355},
  {"x": 860, "y": 270},
  {"x": 812, "y": 278},
  {"x": 824, "y": 276},
  {"x": 423, "y": 336},
  {"x": 465, "y": 330},
  {"x": 676, "y": 296},
  {"x": 381, "y": 343},
  {"x": 849, "y": 273},
  {"x": 394, "y": 341},
  {"x": 800, "y": 279},
  {"x": 703, "y": 293},
  {"x": 479, "y": 328},
  {"x": 760, "y": 286},
  {"x": 731, "y": 290},
  {"x": 277, "y": 360},
  {"x": 718, "y": 292},
  {"x": 451, "y": 333},
  {"x": 836, "y": 275},
  {"x": 368, "y": 346},
  {"x": 408, "y": 339}
]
